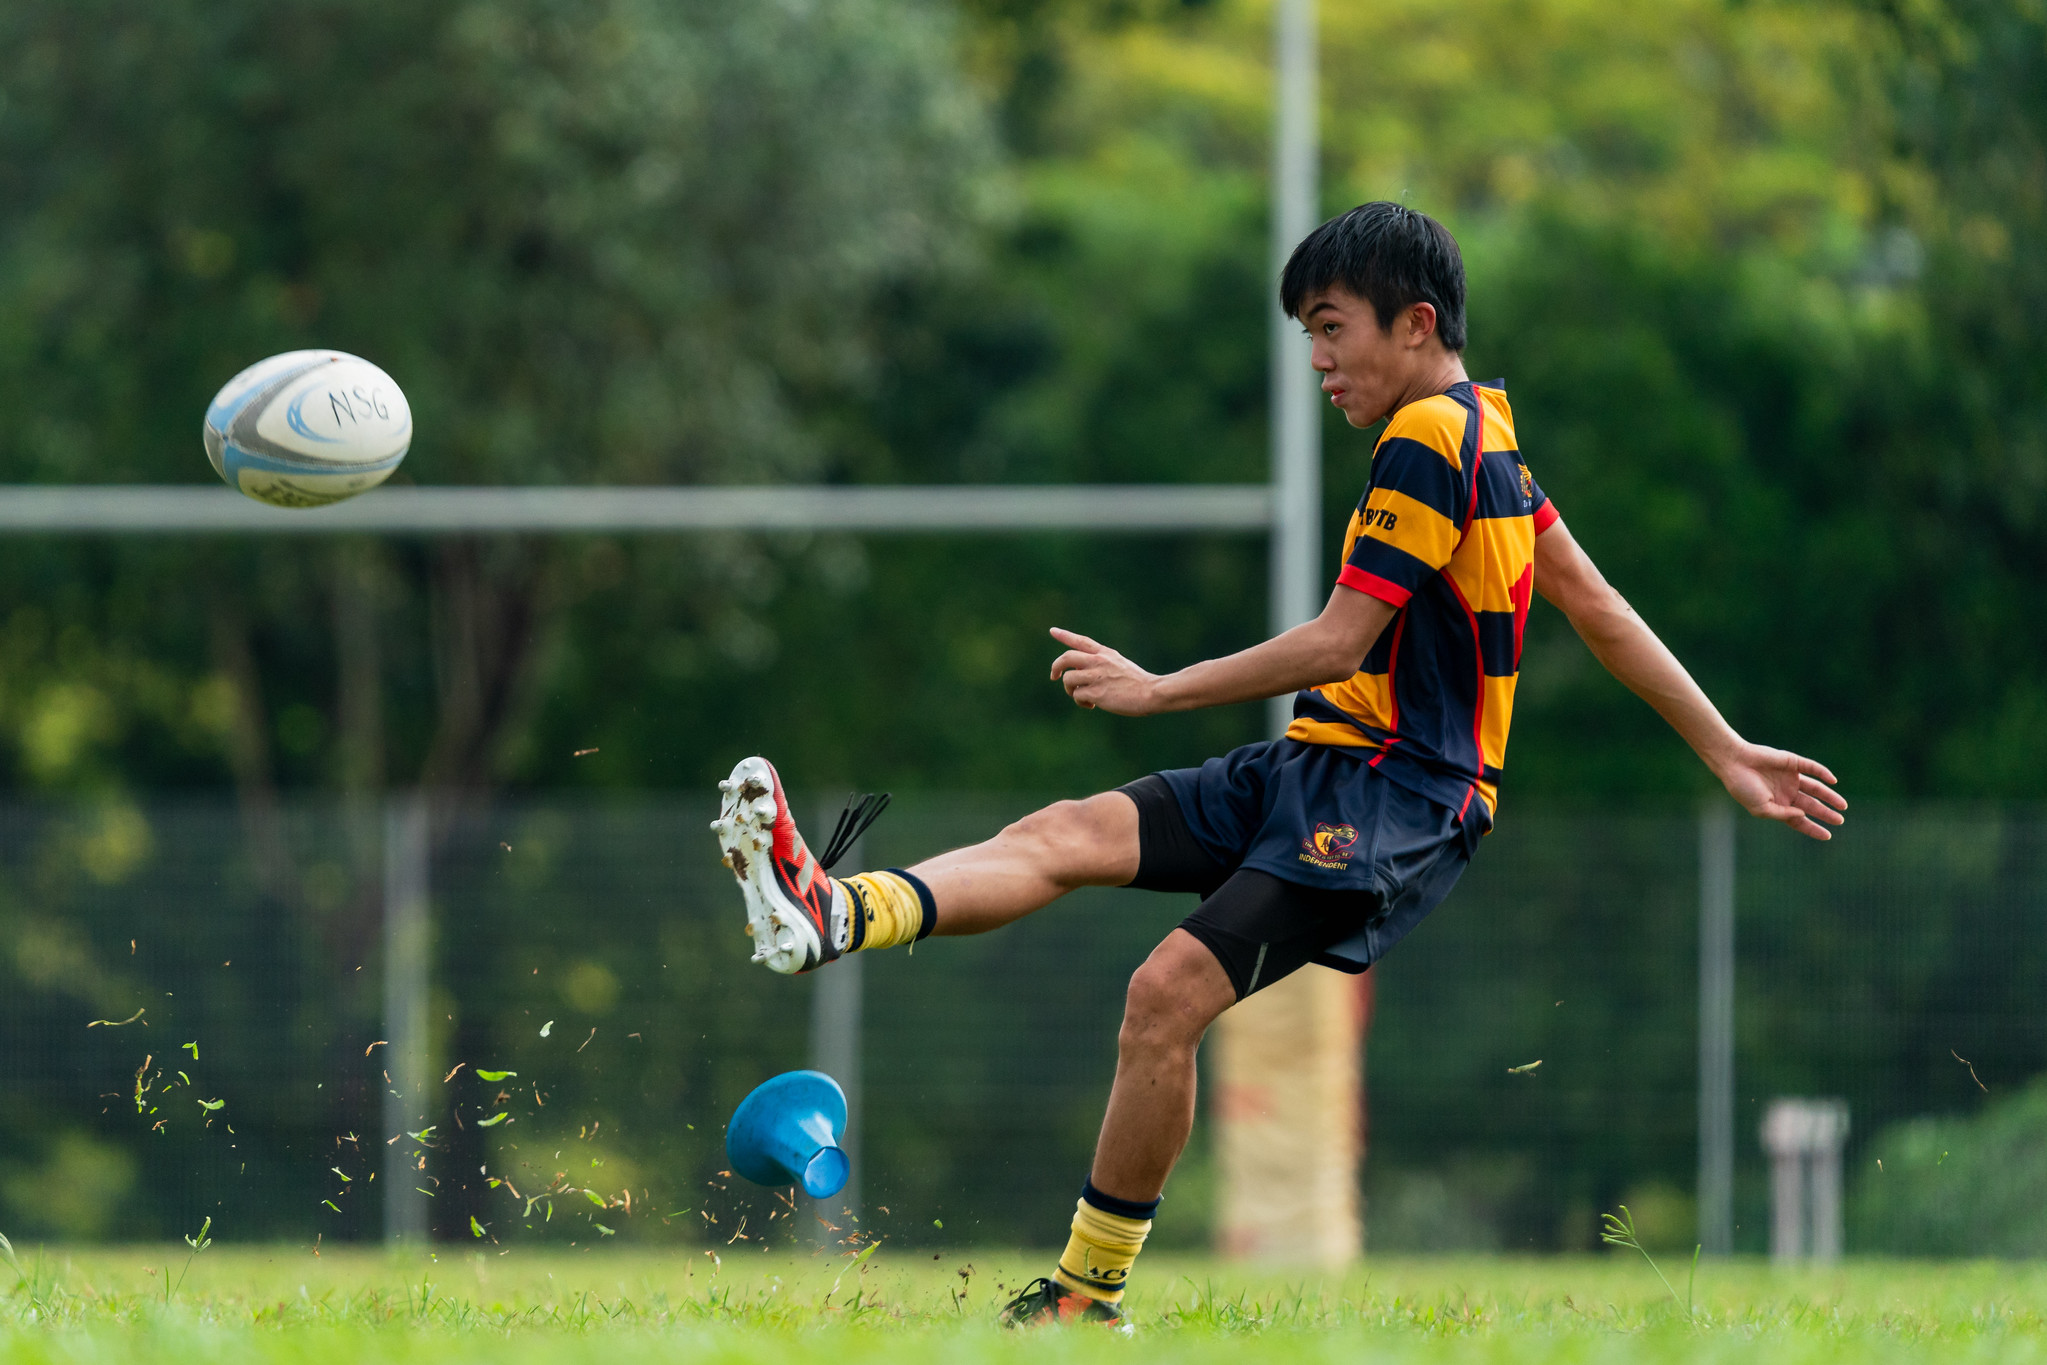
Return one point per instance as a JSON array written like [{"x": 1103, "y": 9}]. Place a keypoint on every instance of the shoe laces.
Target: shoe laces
[
  {"x": 860, "y": 812},
  {"x": 1029, "y": 1296}
]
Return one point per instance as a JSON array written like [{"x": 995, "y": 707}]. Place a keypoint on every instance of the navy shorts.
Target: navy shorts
[{"x": 1300, "y": 852}]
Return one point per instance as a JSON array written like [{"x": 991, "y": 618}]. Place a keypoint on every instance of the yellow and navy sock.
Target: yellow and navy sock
[
  {"x": 889, "y": 907},
  {"x": 1107, "y": 1235}
]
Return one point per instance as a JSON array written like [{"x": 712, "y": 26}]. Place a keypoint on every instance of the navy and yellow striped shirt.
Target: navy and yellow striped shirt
[{"x": 1445, "y": 532}]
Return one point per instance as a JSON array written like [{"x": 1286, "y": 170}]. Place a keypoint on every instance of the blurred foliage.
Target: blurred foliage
[
  {"x": 1974, "y": 1187},
  {"x": 1729, "y": 259},
  {"x": 601, "y": 242},
  {"x": 1865, "y": 967},
  {"x": 1572, "y": 941},
  {"x": 585, "y": 959},
  {"x": 1761, "y": 278},
  {"x": 1764, "y": 279}
]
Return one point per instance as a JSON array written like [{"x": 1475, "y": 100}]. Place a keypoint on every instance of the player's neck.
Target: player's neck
[{"x": 1439, "y": 374}]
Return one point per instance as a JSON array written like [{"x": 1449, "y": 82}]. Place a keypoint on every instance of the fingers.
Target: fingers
[
  {"x": 1067, "y": 662},
  {"x": 1075, "y": 640},
  {"x": 1080, "y": 674},
  {"x": 1808, "y": 828},
  {"x": 1798, "y": 819},
  {"x": 1808, "y": 786},
  {"x": 1819, "y": 810},
  {"x": 1812, "y": 768}
]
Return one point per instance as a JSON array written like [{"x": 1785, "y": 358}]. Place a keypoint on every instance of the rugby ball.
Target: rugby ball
[{"x": 307, "y": 428}]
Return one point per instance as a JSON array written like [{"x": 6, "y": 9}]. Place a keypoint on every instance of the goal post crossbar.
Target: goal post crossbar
[{"x": 177, "y": 509}]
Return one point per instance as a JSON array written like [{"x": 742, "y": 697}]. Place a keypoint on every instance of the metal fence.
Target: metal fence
[{"x": 593, "y": 951}]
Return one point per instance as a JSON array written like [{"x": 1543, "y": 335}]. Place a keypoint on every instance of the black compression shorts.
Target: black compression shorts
[{"x": 1262, "y": 927}]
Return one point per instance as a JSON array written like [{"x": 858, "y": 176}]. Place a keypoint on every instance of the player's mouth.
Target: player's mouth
[{"x": 1336, "y": 396}]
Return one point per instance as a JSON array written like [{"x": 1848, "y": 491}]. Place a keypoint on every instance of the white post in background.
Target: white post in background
[
  {"x": 835, "y": 1025},
  {"x": 1716, "y": 1030},
  {"x": 406, "y": 1057},
  {"x": 835, "y": 1050},
  {"x": 1287, "y": 1097},
  {"x": 1825, "y": 1186},
  {"x": 1297, "y": 574},
  {"x": 1804, "y": 1139}
]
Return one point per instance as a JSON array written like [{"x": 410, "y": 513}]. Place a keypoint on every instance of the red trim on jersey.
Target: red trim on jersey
[
  {"x": 1523, "y": 593},
  {"x": 1477, "y": 645},
  {"x": 1478, "y": 705},
  {"x": 1392, "y": 692},
  {"x": 1373, "y": 586},
  {"x": 1546, "y": 516}
]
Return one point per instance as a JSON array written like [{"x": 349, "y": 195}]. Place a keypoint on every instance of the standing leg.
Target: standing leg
[
  {"x": 1179, "y": 991},
  {"x": 1173, "y": 998}
]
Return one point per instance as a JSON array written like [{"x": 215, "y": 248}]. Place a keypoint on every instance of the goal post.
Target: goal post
[{"x": 1288, "y": 1094}]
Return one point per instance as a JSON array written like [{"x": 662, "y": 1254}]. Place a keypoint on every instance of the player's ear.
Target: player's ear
[{"x": 1421, "y": 323}]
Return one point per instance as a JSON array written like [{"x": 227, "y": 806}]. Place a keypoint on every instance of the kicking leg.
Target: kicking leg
[
  {"x": 1032, "y": 863},
  {"x": 800, "y": 918}
]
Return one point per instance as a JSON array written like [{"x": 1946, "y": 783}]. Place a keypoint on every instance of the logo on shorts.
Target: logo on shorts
[{"x": 1329, "y": 846}]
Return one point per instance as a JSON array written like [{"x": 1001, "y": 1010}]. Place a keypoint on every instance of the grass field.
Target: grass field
[{"x": 284, "y": 1304}]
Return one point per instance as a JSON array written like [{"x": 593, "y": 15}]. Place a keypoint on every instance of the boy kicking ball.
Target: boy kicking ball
[{"x": 1327, "y": 846}]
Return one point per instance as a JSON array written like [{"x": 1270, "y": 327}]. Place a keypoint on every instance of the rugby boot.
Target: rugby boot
[
  {"x": 796, "y": 914},
  {"x": 1046, "y": 1301}
]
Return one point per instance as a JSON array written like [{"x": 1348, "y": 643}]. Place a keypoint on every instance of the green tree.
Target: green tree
[
  {"x": 598, "y": 241},
  {"x": 603, "y": 242}
]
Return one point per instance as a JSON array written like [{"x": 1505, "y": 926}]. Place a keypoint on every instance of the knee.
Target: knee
[
  {"x": 1051, "y": 825},
  {"x": 1159, "y": 1011},
  {"x": 1065, "y": 834}
]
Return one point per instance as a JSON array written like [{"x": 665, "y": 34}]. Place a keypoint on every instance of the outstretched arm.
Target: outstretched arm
[
  {"x": 1770, "y": 783},
  {"x": 1325, "y": 650}
]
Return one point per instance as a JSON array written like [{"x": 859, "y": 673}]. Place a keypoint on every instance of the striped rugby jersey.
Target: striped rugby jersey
[{"x": 1446, "y": 532}]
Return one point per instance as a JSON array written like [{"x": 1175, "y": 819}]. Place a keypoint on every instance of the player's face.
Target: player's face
[{"x": 1366, "y": 369}]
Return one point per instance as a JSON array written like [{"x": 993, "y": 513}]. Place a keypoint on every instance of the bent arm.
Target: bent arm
[
  {"x": 1327, "y": 649},
  {"x": 1770, "y": 783}
]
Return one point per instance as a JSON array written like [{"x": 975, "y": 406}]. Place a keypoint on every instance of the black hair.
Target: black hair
[{"x": 1386, "y": 253}]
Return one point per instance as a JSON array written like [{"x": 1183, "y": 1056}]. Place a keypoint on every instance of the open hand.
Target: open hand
[
  {"x": 1778, "y": 785},
  {"x": 1097, "y": 677}
]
